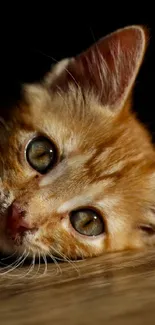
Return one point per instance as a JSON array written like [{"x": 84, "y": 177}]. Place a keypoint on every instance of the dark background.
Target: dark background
[{"x": 32, "y": 39}]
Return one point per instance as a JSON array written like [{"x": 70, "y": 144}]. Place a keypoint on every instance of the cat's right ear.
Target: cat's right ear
[{"x": 108, "y": 68}]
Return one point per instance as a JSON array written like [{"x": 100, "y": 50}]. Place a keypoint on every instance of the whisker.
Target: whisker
[
  {"x": 14, "y": 263},
  {"x": 56, "y": 61},
  {"x": 38, "y": 268},
  {"x": 46, "y": 55},
  {"x": 31, "y": 268},
  {"x": 59, "y": 270},
  {"x": 20, "y": 262},
  {"x": 72, "y": 78},
  {"x": 45, "y": 265},
  {"x": 66, "y": 259},
  {"x": 8, "y": 257},
  {"x": 59, "y": 92},
  {"x": 23, "y": 275},
  {"x": 39, "y": 264}
]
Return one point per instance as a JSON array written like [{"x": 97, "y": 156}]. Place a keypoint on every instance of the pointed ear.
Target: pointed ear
[{"x": 108, "y": 68}]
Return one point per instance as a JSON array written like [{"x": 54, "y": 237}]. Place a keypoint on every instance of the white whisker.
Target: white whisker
[
  {"x": 8, "y": 266},
  {"x": 38, "y": 268},
  {"x": 56, "y": 61},
  {"x": 8, "y": 257},
  {"x": 30, "y": 268},
  {"x": 45, "y": 268},
  {"x": 58, "y": 268},
  {"x": 19, "y": 262},
  {"x": 66, "y": 259}
]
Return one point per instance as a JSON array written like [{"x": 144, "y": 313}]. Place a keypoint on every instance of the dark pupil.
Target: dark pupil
[
  {"x": 87, "y": 222},
  {"x": 41, "y": 154}
]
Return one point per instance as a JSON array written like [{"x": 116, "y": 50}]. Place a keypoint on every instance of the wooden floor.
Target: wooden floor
[{"x": 113, "y": 289}]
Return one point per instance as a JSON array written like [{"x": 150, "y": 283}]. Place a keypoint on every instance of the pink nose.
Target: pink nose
[{"x": 16, "y": 222}]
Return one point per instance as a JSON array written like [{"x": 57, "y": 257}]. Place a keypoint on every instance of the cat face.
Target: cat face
[{"x": 77, "y": 168}]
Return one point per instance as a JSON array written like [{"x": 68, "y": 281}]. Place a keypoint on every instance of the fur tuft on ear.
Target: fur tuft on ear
[{"x": 108, "y": 68}]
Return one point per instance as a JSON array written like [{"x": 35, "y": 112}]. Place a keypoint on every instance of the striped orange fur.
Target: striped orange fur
[{"x": 106, "y": 159}]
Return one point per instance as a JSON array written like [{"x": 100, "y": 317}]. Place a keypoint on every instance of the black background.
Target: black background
[{"x": 33, "y": 38}]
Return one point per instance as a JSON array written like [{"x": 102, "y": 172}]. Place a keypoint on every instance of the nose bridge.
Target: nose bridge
[
  {"x": 16, "y": 222},
  {"x": 22, "y": 195},
  {"x": 16, "y": 211},
  {"x": 26, "y": 188}
]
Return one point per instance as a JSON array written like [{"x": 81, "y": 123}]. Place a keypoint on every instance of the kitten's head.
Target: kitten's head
[{"x": 77, "y": 169}]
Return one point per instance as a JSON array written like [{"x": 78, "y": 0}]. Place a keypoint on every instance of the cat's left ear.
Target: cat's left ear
[{"x": 108, "y": 68}]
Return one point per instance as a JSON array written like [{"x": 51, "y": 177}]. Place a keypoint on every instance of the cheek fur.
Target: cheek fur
[
  {"x": 112, "y": 153},
  {"x": 60, "y": 239}
]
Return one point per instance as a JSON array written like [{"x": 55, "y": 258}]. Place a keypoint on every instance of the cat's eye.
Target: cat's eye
[
  {"x": 148, "y": 229},
  {"x": 41, "y": 154},
  {"x": 87, "y": 222}
]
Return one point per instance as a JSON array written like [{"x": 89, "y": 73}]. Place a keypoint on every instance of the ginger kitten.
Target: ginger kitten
[{"x": 77, "y": 168}]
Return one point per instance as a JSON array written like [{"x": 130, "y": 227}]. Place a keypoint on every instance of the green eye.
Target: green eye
[
  {"x": 87, "y": 222},
  {"x": 41, "y": 154}
]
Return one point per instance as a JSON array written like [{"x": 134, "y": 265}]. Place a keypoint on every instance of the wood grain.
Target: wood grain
[{"x": 112, "y": 289}]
